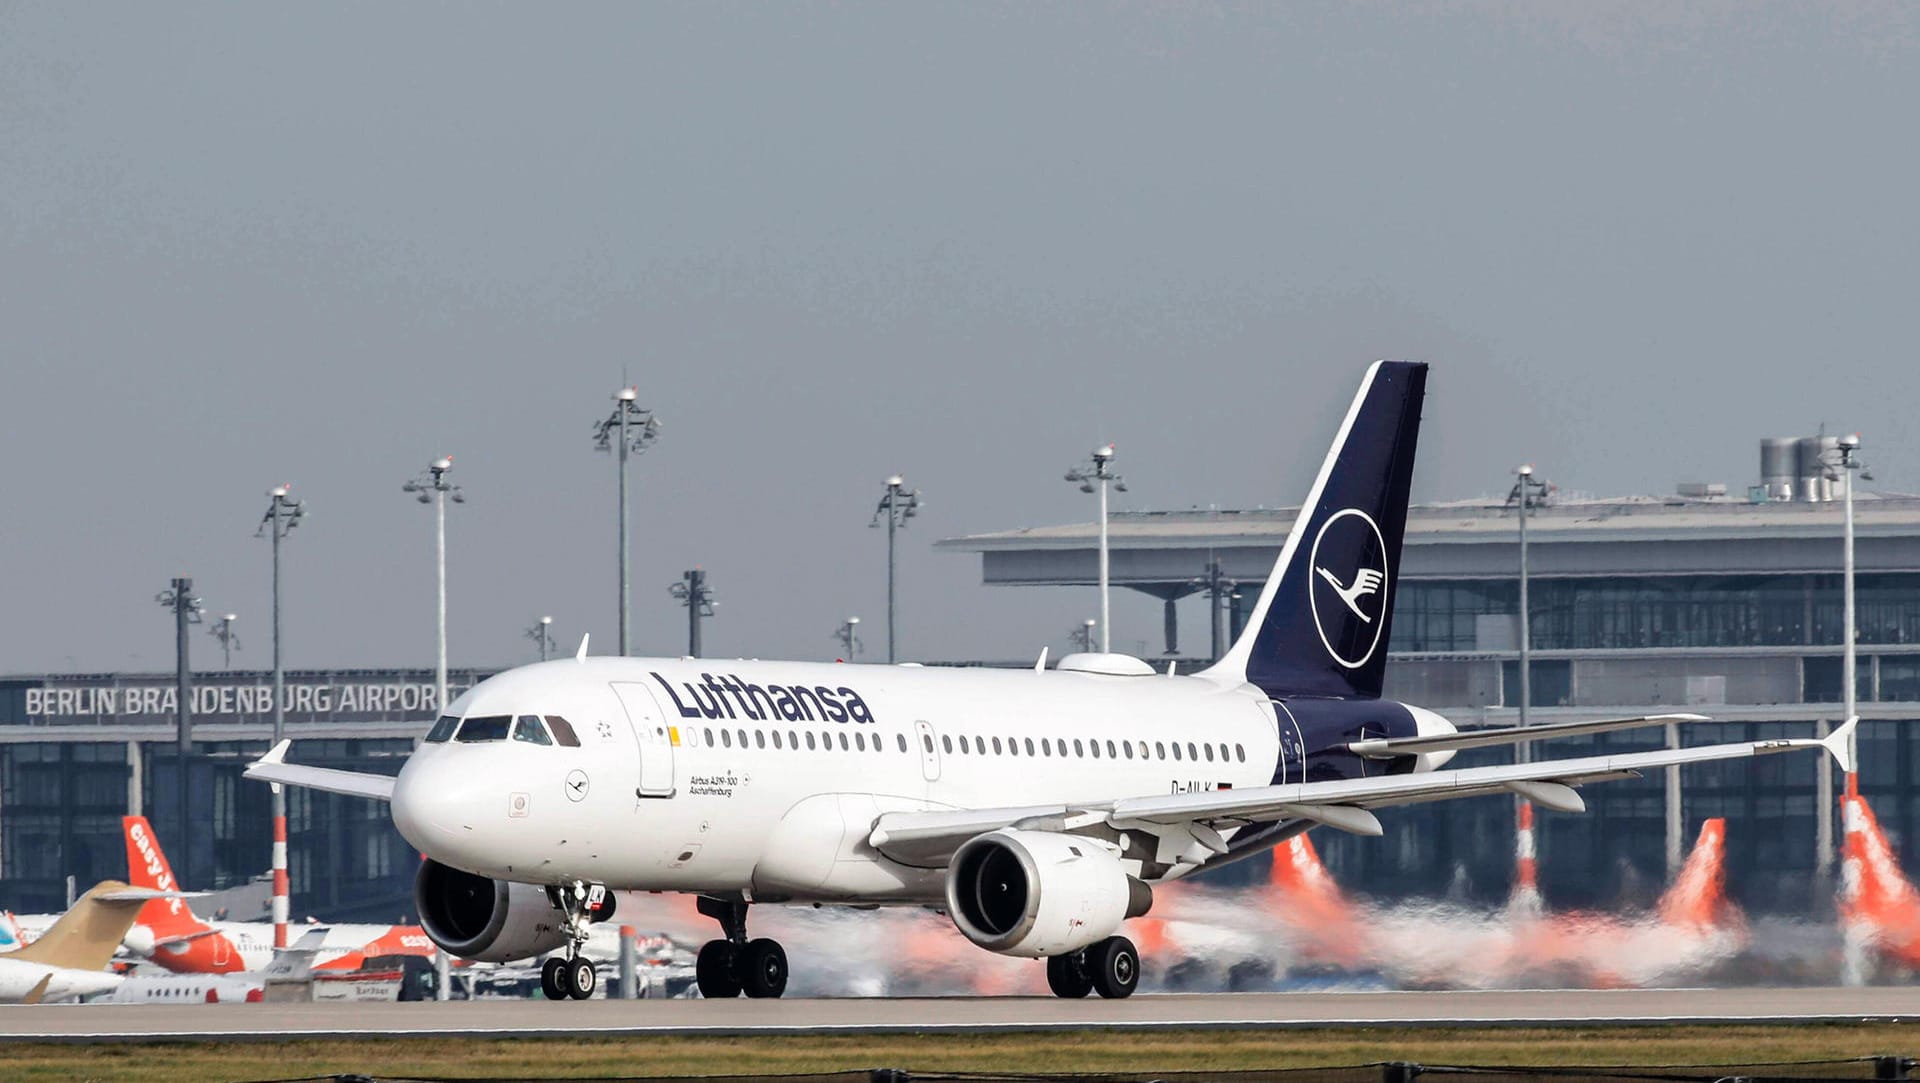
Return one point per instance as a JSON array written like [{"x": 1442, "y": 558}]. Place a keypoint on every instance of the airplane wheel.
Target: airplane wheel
[
  {"x": 1067, "y": 978},
  {"x": 553, "y": 979},
  {"x": 713, "y": 971},
  {"x": 762, "y": 969},
  {"x": 1114, "y": 967},
  {"x": 581, "y": 978}
]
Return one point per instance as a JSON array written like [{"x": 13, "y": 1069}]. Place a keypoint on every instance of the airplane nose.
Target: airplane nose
[{"x": 431, "y": 805}]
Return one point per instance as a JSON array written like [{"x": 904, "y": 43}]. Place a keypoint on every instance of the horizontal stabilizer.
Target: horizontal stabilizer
[{"x": 1381, "y": 748}]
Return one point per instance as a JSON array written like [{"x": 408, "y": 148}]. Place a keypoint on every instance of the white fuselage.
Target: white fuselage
[
  {"x": 779, "y": 806},
  {"x": 18, "y": 978}
]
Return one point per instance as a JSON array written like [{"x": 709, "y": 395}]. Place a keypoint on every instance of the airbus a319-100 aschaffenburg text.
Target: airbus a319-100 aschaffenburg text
[{"x": 1036, "y": 808}]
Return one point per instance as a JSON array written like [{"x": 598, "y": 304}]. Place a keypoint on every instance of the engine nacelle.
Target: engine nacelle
[
  {"x": 1036, "y": 893},
  {"x": 486, "y": 920}
]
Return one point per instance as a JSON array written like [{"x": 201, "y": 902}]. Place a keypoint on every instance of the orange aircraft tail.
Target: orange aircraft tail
[
  {"x": 147, "y": 867},
  {"x": 1525, "y": 899},
  {"x": 1698, "y": 896},
  {"x": 1879, "y": 906}
]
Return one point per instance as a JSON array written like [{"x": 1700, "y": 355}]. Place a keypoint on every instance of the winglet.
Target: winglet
[
  {"x": 581, "y": 654},
  {"x": 1041, "y": 665},
  {"x": 1839, "y": 744},
  {"x": 278, "y": 753}
]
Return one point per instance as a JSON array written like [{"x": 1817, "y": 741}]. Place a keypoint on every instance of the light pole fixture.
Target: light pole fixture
[
  {"x": 697, "y": 596},
  {"x": 1528, "y": 492},
  {"x": 1083, "y": 635},
  {"x": 283, "y": 514},
  {"x": 1096, "y": 476},
  {"x": 629, "y": 430},
  {"x": 849, "y": 636},
  {"x": 542, "y": 633},
  {"x": 1221, "y": 590},
  {"x": 222, "y": 630},
  {"x": 897, "y": 505},
  {"x": 432, "y": 487},
  {"x": 187, "y": 610}
]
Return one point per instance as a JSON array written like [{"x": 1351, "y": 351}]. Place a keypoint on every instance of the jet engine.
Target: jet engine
[
  {"x": 1036, "y": 893},
  {"x": 489, "y": 921}
]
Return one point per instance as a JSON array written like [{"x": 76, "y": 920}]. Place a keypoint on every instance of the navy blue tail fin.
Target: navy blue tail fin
[{"x": 1322, "y": 623}]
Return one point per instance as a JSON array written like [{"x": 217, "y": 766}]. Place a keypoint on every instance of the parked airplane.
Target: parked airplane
[
  {"x": 69, "y": 960},
  {"x": 1038, "y": 808},
  {"x": 290, "y": 963},
  {"x": 1879, "y": 906},
  {"x": 168, "y": 934}
]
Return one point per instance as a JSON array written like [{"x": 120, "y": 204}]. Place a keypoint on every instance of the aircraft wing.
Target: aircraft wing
[
  {"x": 273, "y": 768},
  {"x": 1389, "y": 747},
  {"x": 1189, "y": 824}
]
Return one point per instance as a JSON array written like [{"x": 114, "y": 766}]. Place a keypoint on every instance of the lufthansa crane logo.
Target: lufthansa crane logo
[{"x": 1349, "y": 586}]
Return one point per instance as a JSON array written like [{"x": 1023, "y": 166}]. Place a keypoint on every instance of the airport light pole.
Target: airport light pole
[
  {"x": 697, "y": 596},
  {"x": 222, "y": 630},
  {"x": 542, "y": 633},
  {"x": 848, "y": 635},
  {"x": 629, "y": 430},
  {"x": 1220, "y": 591},
  {"x": 897, "y": 504},
  {"x": 283, "y": 514},
  {"x": 1083, "y": 635},
  {"x": 1848, "y": 450},
  {"x": 1526, "y": 488},
  {"x": 186, "y": 611},
  {"x": 432, "y": 487},
  {"x": 1096, "y": 476}
]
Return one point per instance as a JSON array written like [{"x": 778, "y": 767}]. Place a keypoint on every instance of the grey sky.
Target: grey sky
[{"x": 247, "y": 244}]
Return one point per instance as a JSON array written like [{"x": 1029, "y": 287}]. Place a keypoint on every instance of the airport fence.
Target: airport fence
[{"x": 1816, "y": 1071}]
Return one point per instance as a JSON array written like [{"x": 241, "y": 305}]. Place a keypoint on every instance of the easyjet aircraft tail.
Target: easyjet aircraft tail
[
  {"x": 1321, "y": 625},
  {"x": 147, "y": 867},
  {"x": 1879, "y": 906}
]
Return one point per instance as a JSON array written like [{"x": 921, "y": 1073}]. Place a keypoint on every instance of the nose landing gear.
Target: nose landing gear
[
  {"x": 573, "y": 976},
  {"x": 734, "y": 965}
]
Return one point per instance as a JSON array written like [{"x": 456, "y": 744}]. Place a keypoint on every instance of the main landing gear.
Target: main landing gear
[
  {"x": 573, "y": 976},
  {"x": 734, "y": 965},
  {"x": 1111, "y": 967}
]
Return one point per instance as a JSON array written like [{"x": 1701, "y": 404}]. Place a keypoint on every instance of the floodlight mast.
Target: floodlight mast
[
  {"x": 897, "y": 505},
  {"x": 629, "y": 430},
  {"x": 697, "y": 596},
  {"x": 283, "y": 514},
  {"x": 542, "y": 633},
  {"x": 849, "y": 637},
  {"x": 1096, "y": 476},
  {"x": 187, "y": 610},
  {"x": 222, "y": 630},
  {"x": 434, "y": 481}
]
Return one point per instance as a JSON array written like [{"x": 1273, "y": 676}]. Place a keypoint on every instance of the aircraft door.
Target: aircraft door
[
  {"x": 929, "y": 751},
  {"x": 222, "y": 949},
  {"x": 656, "y": 739}
]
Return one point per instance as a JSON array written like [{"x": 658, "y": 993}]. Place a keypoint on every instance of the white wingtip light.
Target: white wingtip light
[
  {"x": 1839, "y": 744},
  {"x": 581, "y": 654}
]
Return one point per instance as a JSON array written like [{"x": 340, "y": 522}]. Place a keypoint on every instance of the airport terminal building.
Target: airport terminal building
[{"x": 1724, "y": 606}]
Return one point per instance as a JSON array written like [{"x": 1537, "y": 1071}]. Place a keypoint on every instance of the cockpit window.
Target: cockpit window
[
  {"x": 562, "y": 731},
  {"x": 443, "y": 729},
  {"x": 492, "y": 727},
  {"x": 529, "y": 729}
]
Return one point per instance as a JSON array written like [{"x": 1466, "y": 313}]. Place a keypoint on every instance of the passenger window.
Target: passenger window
[
  {"x": 1076, "y": 747},
  {"x": 1094, "y": 746},
  {"x": 843, "y": 740},
  {"x": 1176, "y": 750},
  {"x": 709, "y": 738},
  {"x": 1111, "y": 754},
  {"x": 743, "y": 738},
  {"x": 996, "y": 746},
  {"x": 927, "y": 740},
  {"x": 1127, "y": 747},
  {"x": 860, "y": 741},
  {"x": 1192, "y": 753},
  {"x": 1240, "y": 753},
  {"x": 491, "y": 727},
  {"x": 809, "y": 741},
  {"x": 776, "y": 738},
  {"x": 1029, "y": 746},
  {"x": 529, "y": 729},
  {"x": 1013, "y": 746},
  {"x": 1209, "y": 749},
  {"x": 946, "y": 743},
  {"x": 726, "y": 738},
  {"x": 759, "y": 739},
  {"x": 902, "y": 738},
  {"x": 443, "y": 729}
]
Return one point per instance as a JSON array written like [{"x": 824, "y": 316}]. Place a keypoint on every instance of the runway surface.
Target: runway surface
[{"x": 534, "y": 1018}]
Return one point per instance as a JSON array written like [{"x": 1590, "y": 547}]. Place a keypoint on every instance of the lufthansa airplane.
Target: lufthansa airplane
[{"x": 1035, "y": 808}]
